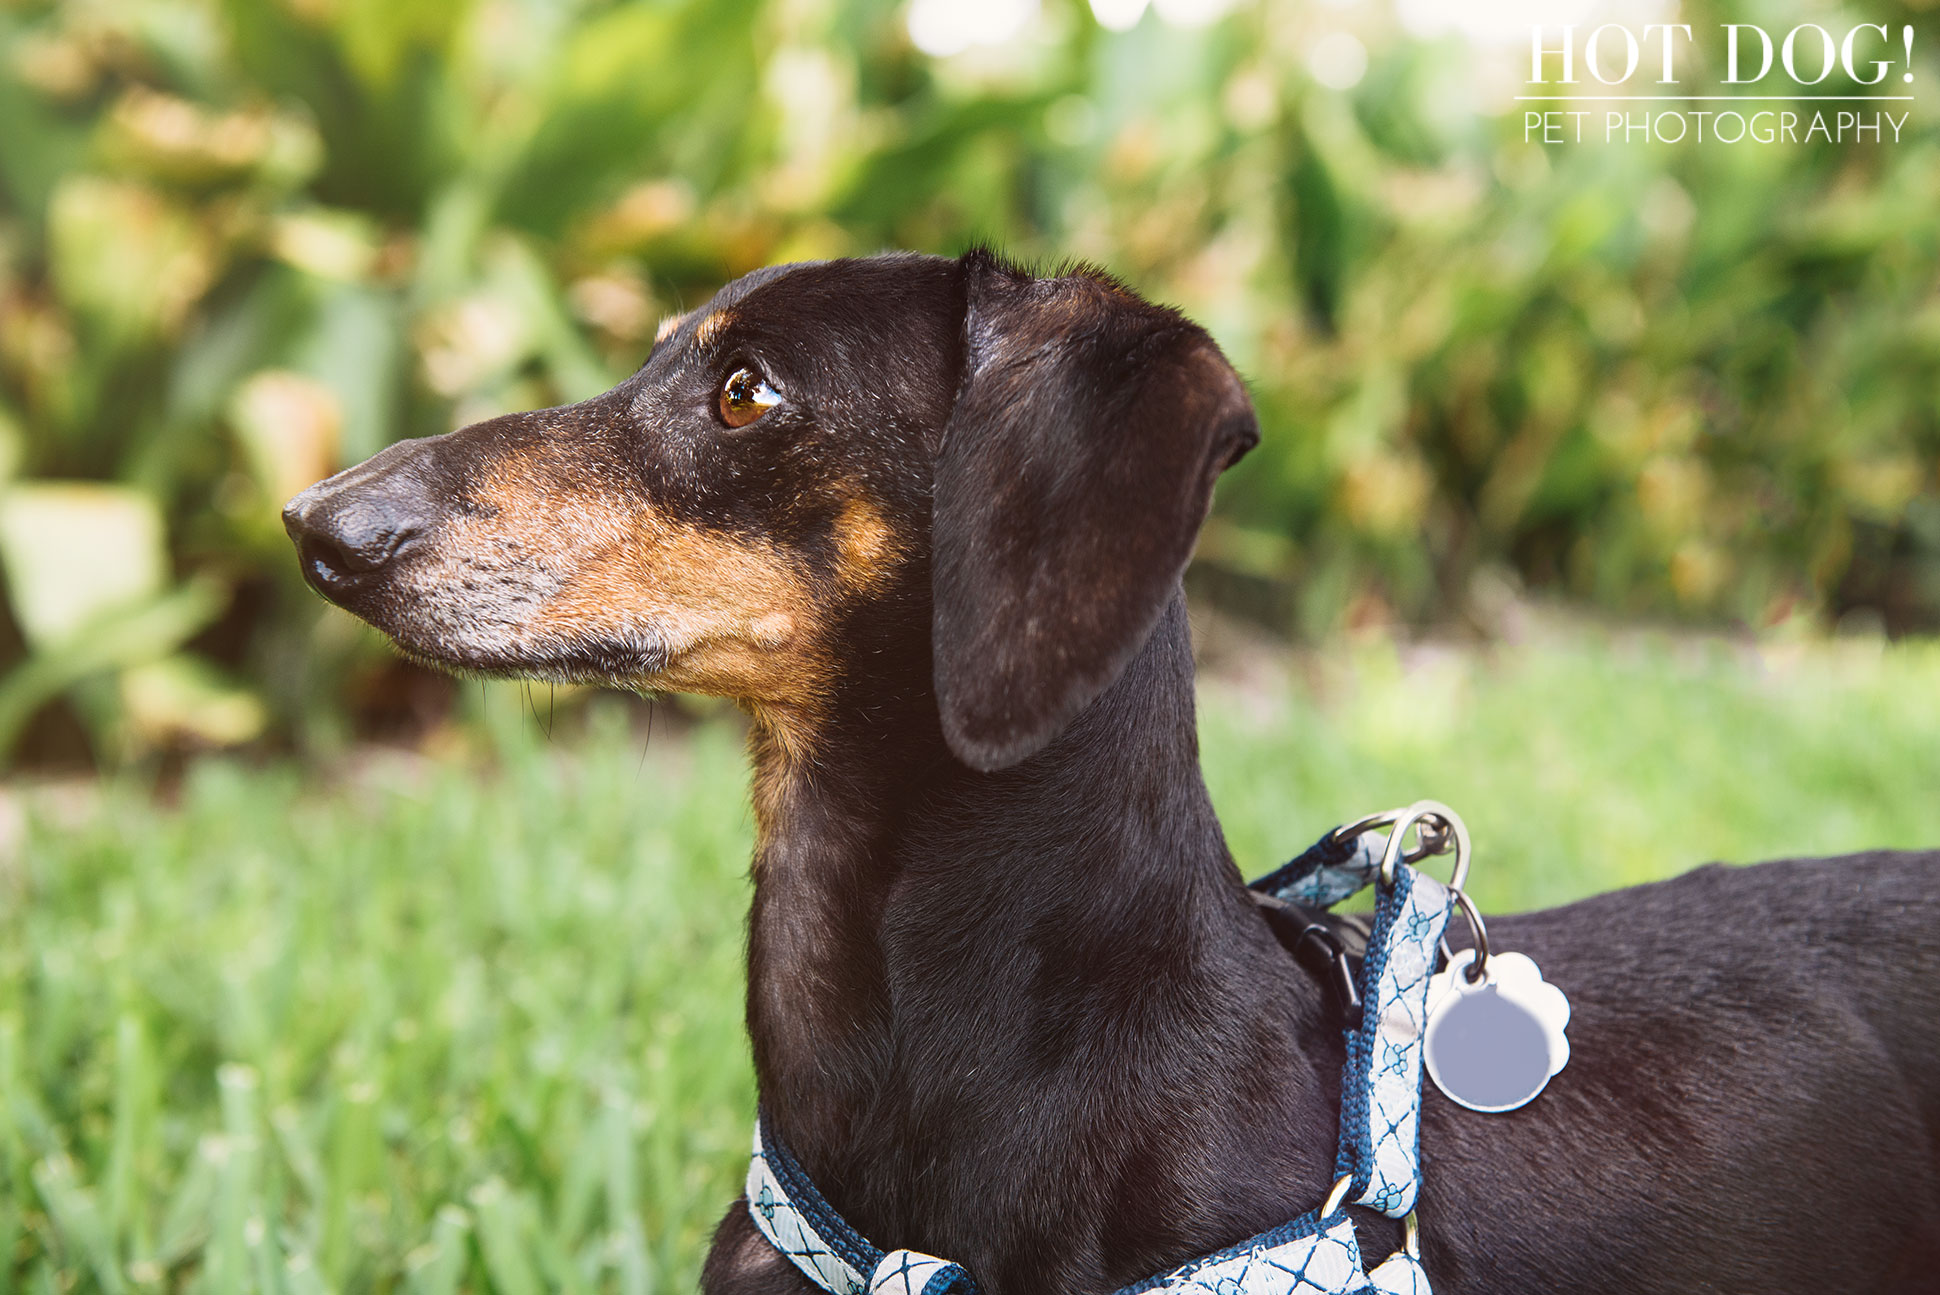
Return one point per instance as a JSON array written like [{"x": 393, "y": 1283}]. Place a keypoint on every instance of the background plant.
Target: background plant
[{"x": 245, "y": 242}]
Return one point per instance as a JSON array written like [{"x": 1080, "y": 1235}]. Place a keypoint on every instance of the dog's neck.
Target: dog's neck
[{"x": 956, "y": 977}]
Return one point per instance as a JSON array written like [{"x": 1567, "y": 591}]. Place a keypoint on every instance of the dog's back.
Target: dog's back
[{"x": 1817, "y": 983}]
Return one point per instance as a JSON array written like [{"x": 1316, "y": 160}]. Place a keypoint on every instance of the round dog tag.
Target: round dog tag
[{"x": 1492, "y": 1044}]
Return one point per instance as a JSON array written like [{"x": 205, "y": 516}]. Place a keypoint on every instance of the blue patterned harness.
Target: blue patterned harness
[{"x": 1379, "y": 1164}]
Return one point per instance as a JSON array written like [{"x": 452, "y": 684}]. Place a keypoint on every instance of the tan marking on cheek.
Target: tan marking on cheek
[
  {"x": 773, "y": 630},
  {"x": 738, "y": 618},
  {"x": 668, "y": 327},
  {"x": 531, "y": 515},
  {"x": 865, "y": 545}
]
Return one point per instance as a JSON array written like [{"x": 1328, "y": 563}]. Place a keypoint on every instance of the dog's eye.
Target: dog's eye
[{"x": 746, "y": 396}]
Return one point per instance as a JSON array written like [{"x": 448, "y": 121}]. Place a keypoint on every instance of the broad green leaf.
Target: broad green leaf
[
  {"x": 289, "y": 426},
  {"x": 182, "y": 700},
  {"x": 76, "y": 550},
  {"x": 126, "y": 257},
  {"x": 119, "y": 636}
]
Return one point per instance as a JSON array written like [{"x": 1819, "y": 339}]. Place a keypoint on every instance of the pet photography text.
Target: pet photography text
[{"x": 1806, "y": 85}]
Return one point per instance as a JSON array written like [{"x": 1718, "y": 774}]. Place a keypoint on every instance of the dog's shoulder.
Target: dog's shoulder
[{"x": 742, "y": 1262}]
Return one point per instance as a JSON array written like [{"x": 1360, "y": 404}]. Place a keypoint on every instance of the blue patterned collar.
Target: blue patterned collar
[
  {"x": 820, "y": 1242},
  {"x": 1316, "y": 1254}
]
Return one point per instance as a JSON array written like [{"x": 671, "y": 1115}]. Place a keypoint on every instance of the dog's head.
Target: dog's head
[{"x": 1020, "y": 463}]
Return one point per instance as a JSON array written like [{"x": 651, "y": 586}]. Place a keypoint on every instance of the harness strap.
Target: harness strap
[
  {"x": 1400, "y": 1274},
  {"x": 1309, "y": 1256},
  {"x": 797, "y": 1221},
  {"x": 1326, "y": 872},
  {"x": 1380, "y": 1110}
]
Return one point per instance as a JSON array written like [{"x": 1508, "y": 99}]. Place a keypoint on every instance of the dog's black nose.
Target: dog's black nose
[{"x": 346, "y": 532}]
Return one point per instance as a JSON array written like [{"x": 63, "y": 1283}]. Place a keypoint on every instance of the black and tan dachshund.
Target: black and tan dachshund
[{"x": 1010, "y": 1002}]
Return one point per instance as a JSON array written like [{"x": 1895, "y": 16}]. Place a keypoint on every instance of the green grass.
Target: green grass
[
  {"x": 1588, "y": 762},
  {"x": 475, "y": 1024}
]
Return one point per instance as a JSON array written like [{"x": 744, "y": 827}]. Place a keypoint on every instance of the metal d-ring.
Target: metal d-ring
[
  {"x": 1434, "y": 839},
  {"x": 1478, "y": 932},
  {"x": 1433, "y": 832},
  {"x": 1410, "y": 1228},
  {"x": 1348, "y": 831}
]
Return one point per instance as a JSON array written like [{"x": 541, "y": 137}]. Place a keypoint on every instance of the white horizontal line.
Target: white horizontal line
[{"x": 1726, "y": 98}]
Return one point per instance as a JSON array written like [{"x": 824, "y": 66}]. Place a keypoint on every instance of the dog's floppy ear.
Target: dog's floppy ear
[{"x": 1074, "y": 473}]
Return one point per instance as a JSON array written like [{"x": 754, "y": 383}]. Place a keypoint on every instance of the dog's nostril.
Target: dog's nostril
[
  {"x": 346, "y": 535},
  {"x": 324, "y": 561},
  {"x": 353, "y": 540}
]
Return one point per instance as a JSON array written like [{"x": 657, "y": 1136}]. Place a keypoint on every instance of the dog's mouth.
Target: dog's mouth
[
  {"x": 481, "y": 611},
  {"x": 472, "y": 598},
  {"x": 521, "y": 571},
  {"x": 633, "y": 661},
  {"x": 499, "y": 628}
]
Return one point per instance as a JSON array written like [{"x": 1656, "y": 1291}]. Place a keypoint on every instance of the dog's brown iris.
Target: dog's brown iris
[{"x": 746, "y": 396}]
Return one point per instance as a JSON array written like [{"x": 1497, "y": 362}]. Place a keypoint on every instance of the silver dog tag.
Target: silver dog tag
[{"x": 1492, "y": 1044}]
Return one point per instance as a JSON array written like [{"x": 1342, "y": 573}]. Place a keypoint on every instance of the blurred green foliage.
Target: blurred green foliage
[{"x": 246, "y": 242}]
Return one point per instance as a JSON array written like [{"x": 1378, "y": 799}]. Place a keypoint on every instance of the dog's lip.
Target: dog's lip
[{"x": 605, "y": 661}]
